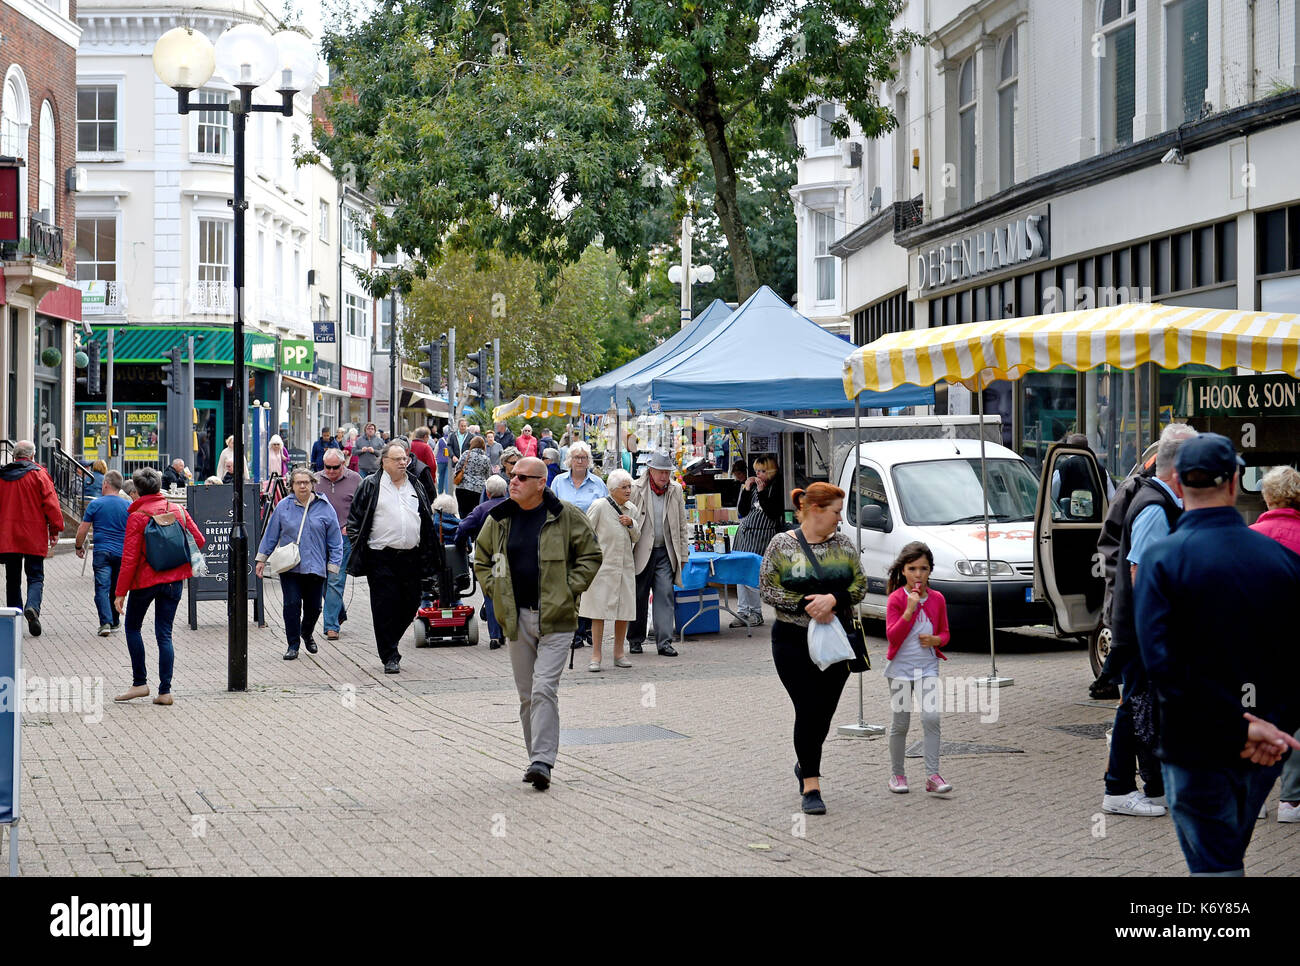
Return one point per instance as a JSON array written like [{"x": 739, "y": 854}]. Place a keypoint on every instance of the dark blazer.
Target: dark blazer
[{"x": 362, "y": 516}]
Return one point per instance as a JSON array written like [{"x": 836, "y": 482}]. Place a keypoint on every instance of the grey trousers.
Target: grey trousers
[
  {"x": 901, "y": 691},
  {"x": 1290, "y": 783},
  {"x": 658, "y": 573},
  {"x": 749, "y": 602},
  {"x": 537, "y": 663}
]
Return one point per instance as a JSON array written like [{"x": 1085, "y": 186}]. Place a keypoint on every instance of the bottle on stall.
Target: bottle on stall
[{"x": 726, "y": 541}]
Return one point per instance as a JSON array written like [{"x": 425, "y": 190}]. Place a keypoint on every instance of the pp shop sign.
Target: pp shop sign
[{"x": 297, "y": 355}]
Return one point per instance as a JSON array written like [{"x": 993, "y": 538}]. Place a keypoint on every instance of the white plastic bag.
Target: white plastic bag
[{"x": 828, "y": 644}]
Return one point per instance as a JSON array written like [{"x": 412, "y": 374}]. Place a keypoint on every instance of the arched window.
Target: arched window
[
  {"x": 46, "y": 171},
  {"x": 1116, "y": 42},
  {"x": 15, "y": 123},
  {"x": 966, "y": 121},
  {"x": 1008, "y": 91}
]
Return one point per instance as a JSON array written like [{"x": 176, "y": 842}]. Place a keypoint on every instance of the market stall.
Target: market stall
[{"x": 539, "y": 407}]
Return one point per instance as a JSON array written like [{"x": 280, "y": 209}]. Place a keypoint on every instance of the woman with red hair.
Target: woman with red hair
[{"x": 811, "y": 573}]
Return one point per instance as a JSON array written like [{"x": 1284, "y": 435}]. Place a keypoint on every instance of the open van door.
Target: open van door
[{"x": 1067, "y": 522}]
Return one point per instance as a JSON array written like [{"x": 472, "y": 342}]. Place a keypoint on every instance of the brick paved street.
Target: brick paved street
[{"x": 328, "y": 766}]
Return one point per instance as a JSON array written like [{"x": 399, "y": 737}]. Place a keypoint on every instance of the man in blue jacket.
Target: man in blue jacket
[
  {"x": 319, "y": 447},
  {"x": 1215, "y": 617}
]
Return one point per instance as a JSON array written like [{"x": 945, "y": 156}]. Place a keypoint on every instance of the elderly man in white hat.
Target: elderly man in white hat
[{"x": 661, "y": 551}]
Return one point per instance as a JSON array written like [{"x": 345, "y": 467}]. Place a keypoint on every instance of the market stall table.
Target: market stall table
[{"x": 706, "y": 568}]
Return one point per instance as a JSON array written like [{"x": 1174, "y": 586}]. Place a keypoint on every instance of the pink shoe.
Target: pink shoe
[
  {"x": 898, "y": 784},
  {"x": 937, "y": 785}
]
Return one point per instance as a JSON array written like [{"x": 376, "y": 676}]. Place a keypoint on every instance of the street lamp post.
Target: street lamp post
[
  {"x": 697, "y": 274},
  {"x": 247, "y": 57}
]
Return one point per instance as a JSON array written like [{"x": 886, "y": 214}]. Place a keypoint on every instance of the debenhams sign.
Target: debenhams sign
[{"x": 991, "y": 248}]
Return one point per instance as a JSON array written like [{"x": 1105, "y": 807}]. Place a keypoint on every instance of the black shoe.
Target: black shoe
[
  {"x": 577, "y": 642},
  {"x": 291, "y": 654},
  {"x": 634, "y": 648},
  {"x": 494, "y": 644},
  {"x": 311, "y": 646},
  {"x": 392, "y": 667},
  {"x": 668, "y": 651},
  {"x": 539, "y": 773},
  {"x": 1103, "y": 691},
  {"x": 33, "y": 621},
  {"x": 813, "y": 804}
]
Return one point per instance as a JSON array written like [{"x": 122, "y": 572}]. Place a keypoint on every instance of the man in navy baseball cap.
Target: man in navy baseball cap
[{"x": 1207, "y": 460}]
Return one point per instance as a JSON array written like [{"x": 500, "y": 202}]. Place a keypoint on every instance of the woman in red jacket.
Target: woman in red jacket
[
  {"x": 916, "y": 624},
  {"x": 148, "y": 586}
]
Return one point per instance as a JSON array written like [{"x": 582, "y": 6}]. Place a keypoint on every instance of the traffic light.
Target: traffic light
[
  {"x": 173, "y": 377},
  {"x": 92, "y": 368},
  {"x": 432, "y": 365},
  {"x": 477, "y": 384}
]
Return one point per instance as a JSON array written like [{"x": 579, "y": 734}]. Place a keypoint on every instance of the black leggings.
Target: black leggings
[{"x": 815, "y": 693}]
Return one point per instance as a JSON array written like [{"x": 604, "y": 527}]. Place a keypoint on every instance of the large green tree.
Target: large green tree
[{"x": 540, "y": 127}]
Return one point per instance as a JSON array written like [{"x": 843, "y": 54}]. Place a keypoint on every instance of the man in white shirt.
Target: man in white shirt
[{"x": 391, "y": 526}]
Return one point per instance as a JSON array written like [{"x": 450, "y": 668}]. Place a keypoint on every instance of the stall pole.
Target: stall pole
[
  {"x": 861, "y": 729},
  {"x": 993, "y": 680}
]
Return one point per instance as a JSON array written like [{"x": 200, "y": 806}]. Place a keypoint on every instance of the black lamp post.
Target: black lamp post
[{"x": 248, "y": 57}]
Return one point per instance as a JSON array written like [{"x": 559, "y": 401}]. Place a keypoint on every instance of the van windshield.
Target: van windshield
[{"x": 943, "y": 492}]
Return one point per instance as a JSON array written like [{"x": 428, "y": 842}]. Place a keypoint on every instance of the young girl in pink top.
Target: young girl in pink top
[{"x": 916, "y": 624}]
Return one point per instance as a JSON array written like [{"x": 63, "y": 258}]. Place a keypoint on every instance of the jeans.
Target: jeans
[
  {"x": 335, "y": 611},
  {"x": 444, "y": 477},
  {"x": 1214, "y": 812},
  {"x": 494, "y": 626},
  {"x": 302, "y": 602},
  {"x": 658, "y": 572},
  {"x": 1124, "y": 744},
  {"x": 106, "y": 567},
  {"x": 750, "y": 604},
  {"x": 1290, "y": 790},
  {"x": 165, "y": 598},
  {"x": 15, "y": 564}
]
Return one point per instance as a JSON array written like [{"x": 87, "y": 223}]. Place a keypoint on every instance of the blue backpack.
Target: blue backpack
[{"x": 166, "y": 545}]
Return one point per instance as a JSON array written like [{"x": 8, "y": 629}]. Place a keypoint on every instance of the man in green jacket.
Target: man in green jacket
[{"x": 534, "y": 557}]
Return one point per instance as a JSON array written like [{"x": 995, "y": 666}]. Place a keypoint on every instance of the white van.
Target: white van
[{"x": 918, "y": 478}]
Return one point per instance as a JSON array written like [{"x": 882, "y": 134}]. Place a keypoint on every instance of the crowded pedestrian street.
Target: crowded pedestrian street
[{"x": 327, "y": 766}]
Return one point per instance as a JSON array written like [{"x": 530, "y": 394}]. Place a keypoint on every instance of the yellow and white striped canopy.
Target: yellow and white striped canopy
[
  {"x": 1125, "y": 336},
  {"x": 538, "y": 407}
]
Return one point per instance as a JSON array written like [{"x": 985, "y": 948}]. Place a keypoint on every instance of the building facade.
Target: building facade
[
  {"x": 155, "y": 231},
  {"x": 39, "y": 331},
  {"x": 1052, "y": 156}
]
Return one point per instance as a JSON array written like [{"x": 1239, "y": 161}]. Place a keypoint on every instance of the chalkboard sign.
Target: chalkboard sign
[{"x": 213, "y": 512}]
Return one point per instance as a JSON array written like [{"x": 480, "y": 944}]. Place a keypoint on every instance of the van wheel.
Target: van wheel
[{"x": 1098, "y": 649}]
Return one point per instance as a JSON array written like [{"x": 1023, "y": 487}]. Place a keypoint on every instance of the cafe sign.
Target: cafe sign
[
  {"x": 1276, "y": 395},
  {"x": 991, "y": 248}
]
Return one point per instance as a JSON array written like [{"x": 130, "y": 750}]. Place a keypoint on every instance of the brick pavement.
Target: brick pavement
[{"x": 328, "y": 766}]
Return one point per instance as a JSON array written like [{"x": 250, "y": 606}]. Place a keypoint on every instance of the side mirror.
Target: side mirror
[{"x": 872, "y": 516}]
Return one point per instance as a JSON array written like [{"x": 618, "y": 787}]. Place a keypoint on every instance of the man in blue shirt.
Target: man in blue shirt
[
  {"x": 319, "y": 447},
  {"x": 1215, "y": 613},
  {"x": 107, "y": 515}
]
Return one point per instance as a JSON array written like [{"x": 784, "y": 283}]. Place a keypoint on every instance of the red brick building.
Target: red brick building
[{"x": 41, "y": 311}]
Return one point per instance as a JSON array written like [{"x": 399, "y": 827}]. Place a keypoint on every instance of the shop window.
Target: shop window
[
  {"x": 1117, "y": 25},
  {"x": 1225, "y": 251},
  {"x": 966, "y": 131},
  {"x": 1142, "y": 266},
  {"x": 824, "y": 262},
  {"x": 1204, "y": 267},
  {"x": 212, "y": 128},
  {"x": 1008, "y": 89},
  {"x": 1187, "y": 60},
  {"x": 96, "y": 118},
  {"x": 1026, "y": 295},
  {"x": 1182, "y": 277},
  {"x": 1270, "y": 235},
  {"x": 1293, "y": 232}
]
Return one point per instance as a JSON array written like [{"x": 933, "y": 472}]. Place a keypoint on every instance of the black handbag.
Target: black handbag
[{"x": 852, "y": 624}]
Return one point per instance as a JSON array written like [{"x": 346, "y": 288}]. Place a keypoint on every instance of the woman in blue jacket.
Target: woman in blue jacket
[{"x": 320, "y": 552}]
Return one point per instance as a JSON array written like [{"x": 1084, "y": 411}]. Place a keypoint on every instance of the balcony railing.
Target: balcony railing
[
  {"x": 43, "y": 241},
  {"x": 207, "y": 297},
  {"x": 908, "y": 214}
]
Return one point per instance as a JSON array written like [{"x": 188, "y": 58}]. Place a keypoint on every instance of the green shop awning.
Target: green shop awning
[{"x": 213, "y": 345}]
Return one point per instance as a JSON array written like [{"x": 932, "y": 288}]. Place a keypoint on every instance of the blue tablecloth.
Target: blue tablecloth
[{"x": 736, "y": 567}]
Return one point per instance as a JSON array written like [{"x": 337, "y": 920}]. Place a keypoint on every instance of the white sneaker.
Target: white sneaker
[
  {"x": 1286, "y": 812},
  {"x": 1159, "y": 800},
  {"x": 1134, "y": 803}
]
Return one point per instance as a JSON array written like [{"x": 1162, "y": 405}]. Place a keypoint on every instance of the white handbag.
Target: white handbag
[{"x": 286, "y": 556}]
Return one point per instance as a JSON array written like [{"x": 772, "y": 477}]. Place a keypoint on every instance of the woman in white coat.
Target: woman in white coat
[{"x": 612, "y": 595}]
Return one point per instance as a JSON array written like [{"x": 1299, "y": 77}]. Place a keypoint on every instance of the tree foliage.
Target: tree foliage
[{"x": 537, "y": 128}]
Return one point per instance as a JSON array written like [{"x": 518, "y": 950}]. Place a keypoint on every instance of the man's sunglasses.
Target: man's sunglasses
[{"x": 525, "y": 476}]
